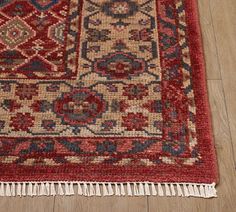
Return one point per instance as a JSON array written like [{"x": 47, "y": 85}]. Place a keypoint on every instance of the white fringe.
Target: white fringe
[{"x": 11, "y": 189}]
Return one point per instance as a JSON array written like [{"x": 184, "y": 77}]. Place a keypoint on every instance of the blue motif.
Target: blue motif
[{"x": 44, "y": 7}]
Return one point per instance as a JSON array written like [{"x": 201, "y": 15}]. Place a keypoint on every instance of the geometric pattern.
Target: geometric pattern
[
  {"x": 105, "y": 85},
  {"x": 15, "y": 32},
  {"x": 46, "y": 30}
]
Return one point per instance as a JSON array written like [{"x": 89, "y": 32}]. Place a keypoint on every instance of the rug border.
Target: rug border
[
  {"x": 204, "y": 131},
  {"x": 200, "y": 80}
]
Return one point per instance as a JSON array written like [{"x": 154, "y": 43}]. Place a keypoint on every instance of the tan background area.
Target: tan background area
[{"x": 218, "y": 21}]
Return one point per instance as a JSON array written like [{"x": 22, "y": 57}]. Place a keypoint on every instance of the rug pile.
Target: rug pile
[{"x": 104, "y": 98}]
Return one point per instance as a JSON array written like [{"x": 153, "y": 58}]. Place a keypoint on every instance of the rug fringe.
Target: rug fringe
[{"x": 11, "y": 189}]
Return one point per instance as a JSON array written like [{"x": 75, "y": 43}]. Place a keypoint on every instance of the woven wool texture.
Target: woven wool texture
[{"x": 109, "y": 91}]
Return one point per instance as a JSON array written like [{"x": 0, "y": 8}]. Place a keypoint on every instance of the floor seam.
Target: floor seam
[{"x": 223, "y": 89}]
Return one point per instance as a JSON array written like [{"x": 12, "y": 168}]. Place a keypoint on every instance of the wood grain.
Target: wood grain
[
  {"x": 101, "y": 204},
  {"x": 209, "y": 40},
  {"x": 26, "y": 204},
  {"x": 224, "y": 22}
]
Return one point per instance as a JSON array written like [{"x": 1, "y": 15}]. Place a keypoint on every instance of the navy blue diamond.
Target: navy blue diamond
[{"x": 44, "y": 7}]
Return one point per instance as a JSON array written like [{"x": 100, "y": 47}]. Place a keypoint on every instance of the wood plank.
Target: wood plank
[
  {"x": 101, "y": 204},
  {"x": 209, "y": 41},
  {"x": 27, "y": 204},
  {"x": 224, "y": 22},
  {"x": 226, "y": 188}
]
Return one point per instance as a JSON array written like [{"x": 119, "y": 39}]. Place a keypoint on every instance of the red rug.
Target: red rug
[{"x": 108, "y": 92}]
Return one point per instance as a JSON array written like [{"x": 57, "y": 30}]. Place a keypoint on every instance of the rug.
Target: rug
[{"x": 104, "y": 98}]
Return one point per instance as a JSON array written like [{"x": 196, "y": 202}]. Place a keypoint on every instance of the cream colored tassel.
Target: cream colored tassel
[
  {"x": 98, "y": 190},
  {"x": 8, "y": 190},
  {"x": 147, "y": 190},
  {"x": 30, "y": 190},
  {"x": 91, "y": 189},
  {"x": 154, "y": 191},
  {"x": 80, "y": 191},
  {"x": 186, "y": 192},
  {"x": 122, "y": 189},
  {"x": 60, "y": 189},
  {"x": 110, "y": 189},
  {"x": 191, "y": 191},
  {"x": 160, "y": 190},
  {"x": 52, "y": 189},
  {"x": 85, "y": 190},
  {"x": 129, "y": 190},
  {"x": 167, "y": 190},
  {"x": 13, "y": 189},
  {"x": 136, "y": 191},
  {"x": 117, "y": 190},
  {"x": 196, "y": 191},
  {"x": 141, "y": 189},
  {"x": 18, "y": 191},
  {"x": 105, "y": 192},
  {"x": 179, "y": 190},
  {"x": 172, "y": 189}
]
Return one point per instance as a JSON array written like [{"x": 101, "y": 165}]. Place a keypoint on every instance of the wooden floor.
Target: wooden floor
[{"x": 218, "y": 21}]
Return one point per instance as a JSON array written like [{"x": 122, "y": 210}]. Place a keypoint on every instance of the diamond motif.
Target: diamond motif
[
  {"x": 28, "y": 28},
  {"x": 15, "y": 32},
  {"x": 44, "y": 4}
]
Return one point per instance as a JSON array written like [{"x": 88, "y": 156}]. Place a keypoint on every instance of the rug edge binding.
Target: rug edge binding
[{"x": 69, "y": 188}]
